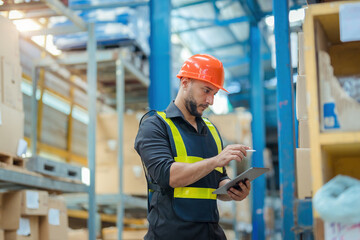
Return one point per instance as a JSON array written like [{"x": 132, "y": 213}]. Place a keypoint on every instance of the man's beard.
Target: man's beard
[{"x": 191, "y": 106}]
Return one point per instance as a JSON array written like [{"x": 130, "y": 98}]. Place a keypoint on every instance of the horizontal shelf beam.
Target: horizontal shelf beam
[
  {"x": 28, "y": 180},
  {"x": 339, "y": 138}
]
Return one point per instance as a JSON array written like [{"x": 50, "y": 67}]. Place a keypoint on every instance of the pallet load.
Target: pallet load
[
  {"x": 11, "y": 105},
  {"x": 303, "y": 166},
  {"x": 107, "y": 170},
  {"x": 32, "y": 215}
]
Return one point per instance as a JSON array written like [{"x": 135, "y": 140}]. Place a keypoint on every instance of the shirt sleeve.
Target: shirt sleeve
[
  {"x": 224, "y": 175},
  {"x": 153, "y": 146}
]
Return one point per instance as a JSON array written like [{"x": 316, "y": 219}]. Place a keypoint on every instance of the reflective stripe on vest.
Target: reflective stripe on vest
[{"x": 191, "y": 192}]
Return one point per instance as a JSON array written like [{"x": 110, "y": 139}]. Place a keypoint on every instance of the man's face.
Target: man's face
[{"x": 199, "y": 96}]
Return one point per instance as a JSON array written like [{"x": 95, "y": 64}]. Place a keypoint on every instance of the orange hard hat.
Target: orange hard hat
[{"x": 204, "y": 67}]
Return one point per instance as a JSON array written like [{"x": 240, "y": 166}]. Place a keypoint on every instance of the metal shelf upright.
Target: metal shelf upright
[{"x": 285, "y": 113}]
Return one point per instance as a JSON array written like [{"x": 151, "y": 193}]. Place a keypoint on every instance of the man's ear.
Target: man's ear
[{"x": 185, "y": 82}]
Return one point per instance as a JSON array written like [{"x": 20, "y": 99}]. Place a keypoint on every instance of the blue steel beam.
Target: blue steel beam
[
  {"x": 92, "y": 88},
  {"x": 213, "y": 21},
  {"x": 160, "y": 60},
  {"x": 192, "y": 29},
  {"x": 234, "y": 61},
  {"x": 189, "y": 4},
  {"x": 285, "y": 112},
  {"x": 258, "y": 130},
  {"x": 116, "y": 4},
  {"x": 229, "y": 45}
]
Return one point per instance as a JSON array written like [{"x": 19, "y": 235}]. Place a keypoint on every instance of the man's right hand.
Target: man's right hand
[{"x": 231, "y": 152}]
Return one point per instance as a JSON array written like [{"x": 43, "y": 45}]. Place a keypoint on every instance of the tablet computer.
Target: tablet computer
[{"x": 249, "y": 174}]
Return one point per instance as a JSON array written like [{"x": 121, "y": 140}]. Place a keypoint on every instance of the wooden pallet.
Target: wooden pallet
[{"x": 7, "y": 160}]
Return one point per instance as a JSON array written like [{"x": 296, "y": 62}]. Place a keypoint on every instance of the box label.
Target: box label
[
  {"x": 24, "y": 227},
  {"x": 330, "y": 116},
  {"x": 349, "y": 19},
  {"x": 54, "y": 216},
  {"x": 32, "y": 200}
]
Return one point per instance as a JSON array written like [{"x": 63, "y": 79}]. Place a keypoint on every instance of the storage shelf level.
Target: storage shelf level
[
  {"x": 27, "y": 180},
  {"x": 339, "y": 138}
]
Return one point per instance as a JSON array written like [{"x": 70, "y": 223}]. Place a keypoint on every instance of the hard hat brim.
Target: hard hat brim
[{"x": 203, "y": 80}]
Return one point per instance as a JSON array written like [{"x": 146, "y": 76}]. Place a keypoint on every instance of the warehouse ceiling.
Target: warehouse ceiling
[{"x": 217, "y": 27}]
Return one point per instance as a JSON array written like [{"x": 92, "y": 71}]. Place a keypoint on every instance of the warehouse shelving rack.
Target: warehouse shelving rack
[
  {"x": 56, "y": 8},
  {"x": 337, "y": 152},
  {"x": 116, "y": 201}
]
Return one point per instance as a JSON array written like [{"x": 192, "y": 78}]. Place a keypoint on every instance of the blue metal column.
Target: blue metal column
[
  {"x": 34, "y": 110},
  {"x": 120, "y": 105},
  {"x": 160, "y": 60},
  {"x": 91, "y": 75},
  {"x": 258, "y": 130},
  {"x": 285, "y": 113}
]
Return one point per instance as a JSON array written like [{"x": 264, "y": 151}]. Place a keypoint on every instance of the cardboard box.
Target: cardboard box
[
  {"x": 304, "y": 135},
  {"x": 342, "y": 231},
  {"x": 301, "y": 63},
  {"x": 303, "y": 173},
  {"x": 10, "y": 210},
  {"x": 107, "y": 180},
  {"x": 78, "y": 234},
  {"x": 107, "y": 138},
  {"x": 11, "y": 126},
  {"x": 2, "y": 234},
  {"x": 234, "y": 127},
  {"x": 28, "y": 230},
  {"x": 54, "y": 226},
  {"x": 10, "y": 77},
  {"x": 111, "y": 234},
  {"x": 34, "y": 202},
  {"x": 337, "y": 109},
  {"x": 243, "y": 210},
  {"x": 9, "y": 42},
  {"x": 301, "y": 98}
]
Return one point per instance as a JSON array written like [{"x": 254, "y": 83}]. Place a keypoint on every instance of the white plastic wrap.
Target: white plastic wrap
[{"x": 338, "y": 200}]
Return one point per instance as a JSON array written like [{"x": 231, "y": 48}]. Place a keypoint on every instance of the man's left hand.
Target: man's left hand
[{"x": 241, "y": 193}]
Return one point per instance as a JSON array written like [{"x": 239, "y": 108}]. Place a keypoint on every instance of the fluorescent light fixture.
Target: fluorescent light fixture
[
  {"x": 294, "y": 16},
  {"x": 15, "y": 14},
  {"x": 50, "y": 47},
  {"x": 25, "y": 25}
]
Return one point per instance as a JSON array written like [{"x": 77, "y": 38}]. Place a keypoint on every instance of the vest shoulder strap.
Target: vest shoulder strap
[{"x": 179, "y": 143}]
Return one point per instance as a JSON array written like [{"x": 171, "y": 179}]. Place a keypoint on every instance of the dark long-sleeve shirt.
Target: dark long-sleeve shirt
[{"x": 153, "y": 145}]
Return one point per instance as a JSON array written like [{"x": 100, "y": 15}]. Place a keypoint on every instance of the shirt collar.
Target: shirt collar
[{"x": 173, "y": 111}]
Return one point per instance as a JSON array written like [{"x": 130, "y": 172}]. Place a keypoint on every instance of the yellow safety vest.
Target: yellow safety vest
[{"x": 190, "y": 192}]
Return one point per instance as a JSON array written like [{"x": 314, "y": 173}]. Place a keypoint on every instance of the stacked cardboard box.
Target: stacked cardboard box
[
  {"x": 11, "y": 105},
  {"x": 303, "y": 166},
  {"x": 243, "y": 210},
  {"x": 54, "y": 225},
  {"x": 234, "y": 127},
  {"x": 78, "y": 234},
  {"x": 107, "y": 171},
  {"x": 32, "y": 215},
  {"x": 111, "y": 234}
]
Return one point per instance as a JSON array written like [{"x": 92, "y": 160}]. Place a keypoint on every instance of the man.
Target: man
[{"x": 184, "y": 159}]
